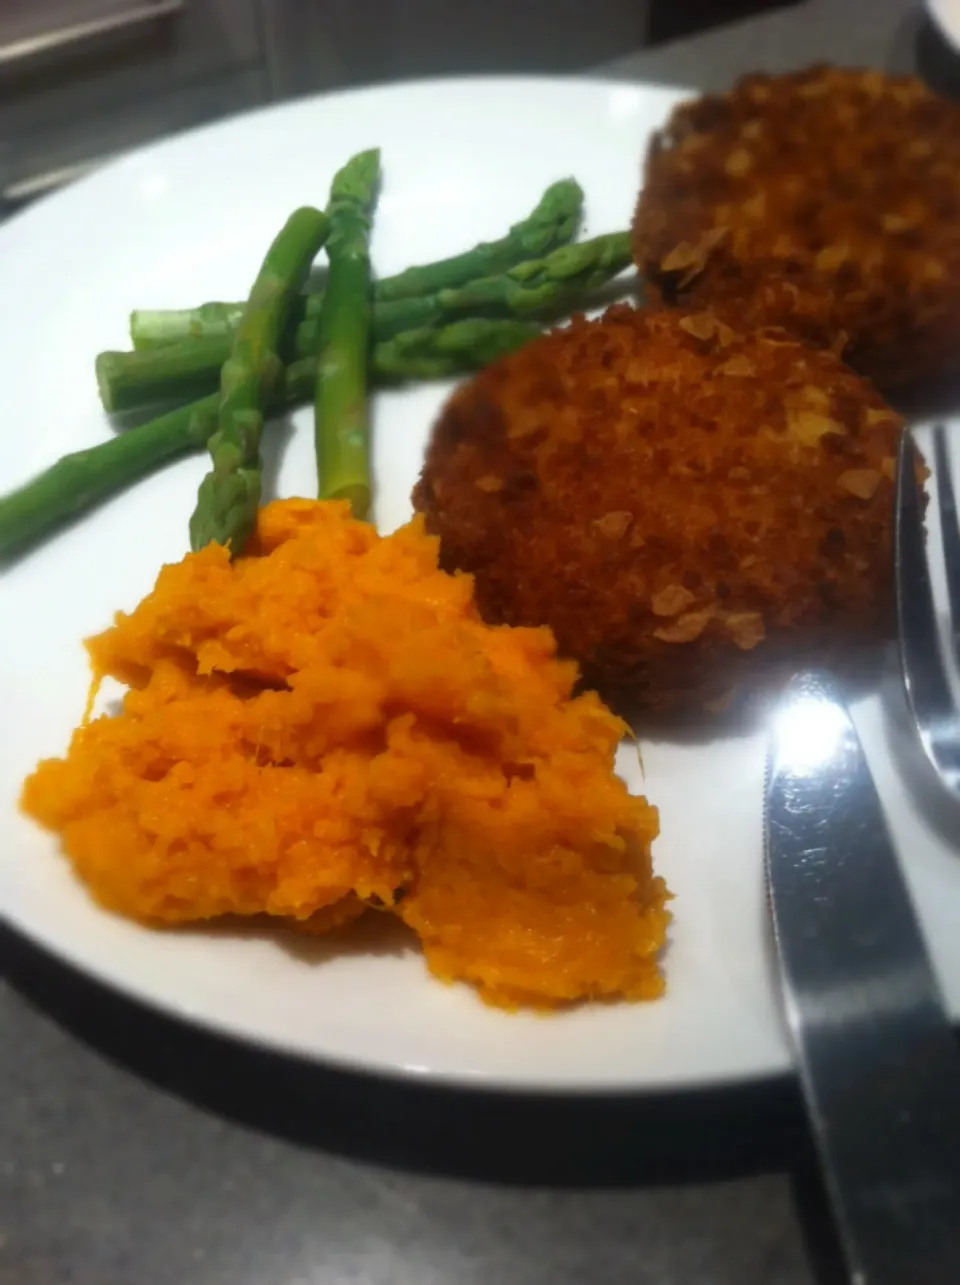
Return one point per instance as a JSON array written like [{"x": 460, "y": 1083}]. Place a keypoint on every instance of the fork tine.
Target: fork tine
[
  {"x": 915, "y": 602},
  {"x": 921, "y": 658},
  {"x": 949, "y": 525}
]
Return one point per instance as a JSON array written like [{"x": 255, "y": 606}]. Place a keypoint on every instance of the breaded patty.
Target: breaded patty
[
  {"x": 673, "y": 494},
  {"x": 827, "y": 201}
]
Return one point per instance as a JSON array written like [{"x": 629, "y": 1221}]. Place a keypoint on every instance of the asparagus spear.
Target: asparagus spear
[
  {"x": 227, "y": 501},
  {"x": 542, "y": 287},
  {"x": 434, "y": 353},
  {"x": 553, "y": 222},
  {"x": 79, "y": 481},
  {"x": 545, "y": 287},
  {"x": 341, "y": 424},
  {"x": 128, "y": 381},
  {"x": 156, "y": 327},
  {"x": 185, "y": 368}
]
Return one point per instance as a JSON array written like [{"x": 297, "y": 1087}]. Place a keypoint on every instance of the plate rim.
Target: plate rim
[
  {"x": 946, "y": 22},
  {"x": 481, "y": 1082},
  {"x": 119, "y": 168},
  {"x": 157, "y": 146}
]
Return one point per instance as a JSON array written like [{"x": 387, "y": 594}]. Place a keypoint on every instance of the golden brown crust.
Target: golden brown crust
[
  {"x": 669, "y": 493},
  {"x": 827, "y": 201}
]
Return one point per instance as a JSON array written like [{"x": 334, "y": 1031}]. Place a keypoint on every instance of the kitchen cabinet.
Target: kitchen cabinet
[{"x": 80, "y": 81}]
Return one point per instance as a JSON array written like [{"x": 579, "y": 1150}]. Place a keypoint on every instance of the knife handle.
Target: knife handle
[
  {"x": 877, "y": 1059},
  {"x": 888, "y": 1134}
]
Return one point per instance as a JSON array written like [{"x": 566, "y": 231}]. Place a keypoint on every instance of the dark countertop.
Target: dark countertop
[
  {"x": 135, "y": 1150},
  {"x": 881, "y": 33}
]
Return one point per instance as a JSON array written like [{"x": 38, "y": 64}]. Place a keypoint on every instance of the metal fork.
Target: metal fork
[{"x": 926, "y": 663}]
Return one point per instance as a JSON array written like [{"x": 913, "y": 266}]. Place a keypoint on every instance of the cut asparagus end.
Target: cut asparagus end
[{"x": 105, "y": 367}]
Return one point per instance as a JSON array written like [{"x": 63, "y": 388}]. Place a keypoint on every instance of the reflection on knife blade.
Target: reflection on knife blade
[{"x": 878, "y": 1062}]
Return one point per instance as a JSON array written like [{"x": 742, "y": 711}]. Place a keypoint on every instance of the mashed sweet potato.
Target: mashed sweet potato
[{"x": 326, "y": 724}]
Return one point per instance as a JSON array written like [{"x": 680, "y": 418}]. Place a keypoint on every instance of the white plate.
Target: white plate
[
  {"x": 188, "y": 220},
  {"x": 946, "y": 14}
]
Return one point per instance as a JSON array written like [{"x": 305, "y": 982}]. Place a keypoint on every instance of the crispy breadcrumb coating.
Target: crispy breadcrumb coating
[
  {"x": 673, "y": 495},
  {"x": 827, "y": 201}
]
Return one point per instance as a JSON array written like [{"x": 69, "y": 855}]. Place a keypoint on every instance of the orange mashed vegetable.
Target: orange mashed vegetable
[{"x": 325, "y": 725}]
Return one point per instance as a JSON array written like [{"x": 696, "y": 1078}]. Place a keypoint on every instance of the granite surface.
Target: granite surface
[{"x": 134, "y": 1150}]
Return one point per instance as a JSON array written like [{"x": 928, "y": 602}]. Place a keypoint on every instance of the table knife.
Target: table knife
[{"x": 878, "y": 1063}]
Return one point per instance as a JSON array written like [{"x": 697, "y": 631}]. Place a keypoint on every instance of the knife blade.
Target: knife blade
[{"x": 878, "y": 1063}]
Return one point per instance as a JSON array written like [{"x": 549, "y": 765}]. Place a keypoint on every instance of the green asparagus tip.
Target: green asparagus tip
[
  {"x": 226, "y": 511},
  {"x": 354, "y": 181},
  {"x": 566, "y": 189},
  {"x": 555, "y": 219}
]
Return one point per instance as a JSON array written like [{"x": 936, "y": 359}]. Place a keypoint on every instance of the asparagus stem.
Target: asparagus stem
[
  {"x": 128, "y": 381},
  {"x": 229, "y": 495},
  {"x": 541, "y": 287},
  {"x": 553, "y": 222},
  {"x": 156, "y": 327},
  {"x": 131, "y": 380},
  {"x": 79, "y": 481},
  {"x": 342, "y": 429},
  {"x": 435, "y": 353}
]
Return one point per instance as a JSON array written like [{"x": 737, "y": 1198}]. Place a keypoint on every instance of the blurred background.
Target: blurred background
[{"x": 81, "y": 80}]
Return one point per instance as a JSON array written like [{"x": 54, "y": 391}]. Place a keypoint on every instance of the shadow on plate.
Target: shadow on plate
[
  {"x": 552, "y": 1140},
  {"x": 935, "y": 58},
  {"x": 919, "y": 48},
  {"x": 930, "y": 797},
  {"x": 932, "y": 400},
  {"x": 747, "y": 713},
  {"x": 374, "y": 935},
  {"x": 743, "y": 718},
  {"x": 273, "y": 448}
]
